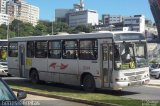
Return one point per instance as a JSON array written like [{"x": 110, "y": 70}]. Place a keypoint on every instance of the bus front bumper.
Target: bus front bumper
[{"x": 121, "y": 85}]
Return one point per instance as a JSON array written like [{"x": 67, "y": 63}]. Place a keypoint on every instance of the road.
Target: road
[{"x": 142, "y": 93}]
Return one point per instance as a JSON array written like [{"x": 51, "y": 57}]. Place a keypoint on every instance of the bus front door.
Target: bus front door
[
  {"x": 107, "y": 65},
  {"x": 21, "y": 58}
]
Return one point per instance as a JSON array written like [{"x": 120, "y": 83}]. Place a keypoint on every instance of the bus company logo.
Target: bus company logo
[
  {"x": 62, "y": 66},
  {"x": 52, "y": 65}
]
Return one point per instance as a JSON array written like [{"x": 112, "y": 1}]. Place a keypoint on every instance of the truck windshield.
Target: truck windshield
[{"x": 130, "y": 55}]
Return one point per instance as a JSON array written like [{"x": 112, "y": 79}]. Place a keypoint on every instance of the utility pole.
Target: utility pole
[
  {"x": 52, "y": 27},
  {"x": 8, "y": 31}
]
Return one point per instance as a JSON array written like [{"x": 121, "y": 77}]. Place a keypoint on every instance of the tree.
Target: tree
[
  {"x": 19, "y": 28},
  {"x": 40, "y": 29},
  {"x": 83, "y": 28},
  {"x": 60, "y": 27},
  {"x": 3, "y": 33}
]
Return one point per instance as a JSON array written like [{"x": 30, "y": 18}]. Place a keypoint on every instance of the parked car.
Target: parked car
[
  {"x": 4, "y": 68},
  {"x": 155, "y": 73},
  {"x": 8, "y": 98},
  {"x": 153, "y": 66}
]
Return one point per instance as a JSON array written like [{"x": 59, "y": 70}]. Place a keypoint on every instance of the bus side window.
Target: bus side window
[
  {"x": 41, "y": 49},
  {"x": 70, "y": 49},
  {"x": 13, "y": 49},
  {"x": 88, "y": 49},
  {"x": 30, "y": 49},
  {"x": 54, "y": 49}
]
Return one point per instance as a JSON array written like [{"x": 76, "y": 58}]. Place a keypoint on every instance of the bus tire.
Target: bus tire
[
  {"x": 34, "y": 77},
  {"x": 89, "y": 83}
]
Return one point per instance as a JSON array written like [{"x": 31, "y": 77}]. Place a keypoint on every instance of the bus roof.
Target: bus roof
[
  {"x": 63, "y": 36},
  {"x": 97, "y": 34}
]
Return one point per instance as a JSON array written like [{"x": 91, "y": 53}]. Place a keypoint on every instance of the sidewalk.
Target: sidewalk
[{"x": 154, "y": 82}]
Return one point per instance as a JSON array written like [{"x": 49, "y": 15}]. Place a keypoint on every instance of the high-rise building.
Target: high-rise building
[
  {"x": 4, "y": 19},
  {"x": 21, "y": 10},
  {"x": 28, "y": 13},
  {"x": 3, "y": 6},
  {"x": 155, "y": 8},
  {"x": 12, "y": 10}
]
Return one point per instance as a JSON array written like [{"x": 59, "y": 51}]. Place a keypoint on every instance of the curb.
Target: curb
[
  {"x": 154, "y": 84},
  {"x": 68, "y": 98}
]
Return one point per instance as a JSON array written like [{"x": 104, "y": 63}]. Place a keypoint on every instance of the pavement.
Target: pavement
[{"x": 45, "y": 101}]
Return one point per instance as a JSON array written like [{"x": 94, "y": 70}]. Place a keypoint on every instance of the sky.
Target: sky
[{"x": 113, "y": 7}]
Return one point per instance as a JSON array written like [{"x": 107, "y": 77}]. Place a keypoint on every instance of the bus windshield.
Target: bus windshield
[
  {"x": 130, "y": 55},
  {"x": 141, "y": 54}
]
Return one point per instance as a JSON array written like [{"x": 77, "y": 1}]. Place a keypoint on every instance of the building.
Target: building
[
  {"x": 4, "y": 19},
  {"x": 77, "y": 16},
  {"x": 62, "y": 15},
  {"x": 28, "y": 13},
  {"x": 12, "y": 10},
  {"x": 105, "y": 19},
  {"x": 3, "y": 6},
  {"x": 84, "y": 17},
  {"x": 155, "y": 8},
  {"x": 112, "y": 19},
  {"x": 135, "y": 23},
  {"x": 21, "y": 10}
]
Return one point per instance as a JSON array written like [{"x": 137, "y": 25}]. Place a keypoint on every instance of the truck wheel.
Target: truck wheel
[{"x": 89, "y": 83}]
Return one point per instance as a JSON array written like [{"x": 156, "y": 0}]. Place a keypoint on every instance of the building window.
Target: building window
[
  {"x": 13, "y": 49},
  {"x": 41, "y": 49},
  {"x": 30, "y": 49},
  {"x": 70, "y": 49},
  {"x": 54, "y": 50},
  {"x": 137, "y": 21},
  {"x": 88, "y": 49}
]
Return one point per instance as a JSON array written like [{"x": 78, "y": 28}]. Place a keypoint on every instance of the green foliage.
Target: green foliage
[
  {"x": 153, "y": 62},
  {"x": 2, "y": 33},
  {"x": 83, "y": 28},
  {"x": 18, "y": 29}
]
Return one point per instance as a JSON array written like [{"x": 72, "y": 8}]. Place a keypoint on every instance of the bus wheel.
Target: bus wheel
[
  {"x": 34, "y": 77},
  {"x": 89, "y": 83}
]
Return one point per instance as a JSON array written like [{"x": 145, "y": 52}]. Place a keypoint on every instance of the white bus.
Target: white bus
[{"x": 91, "y": 60}]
